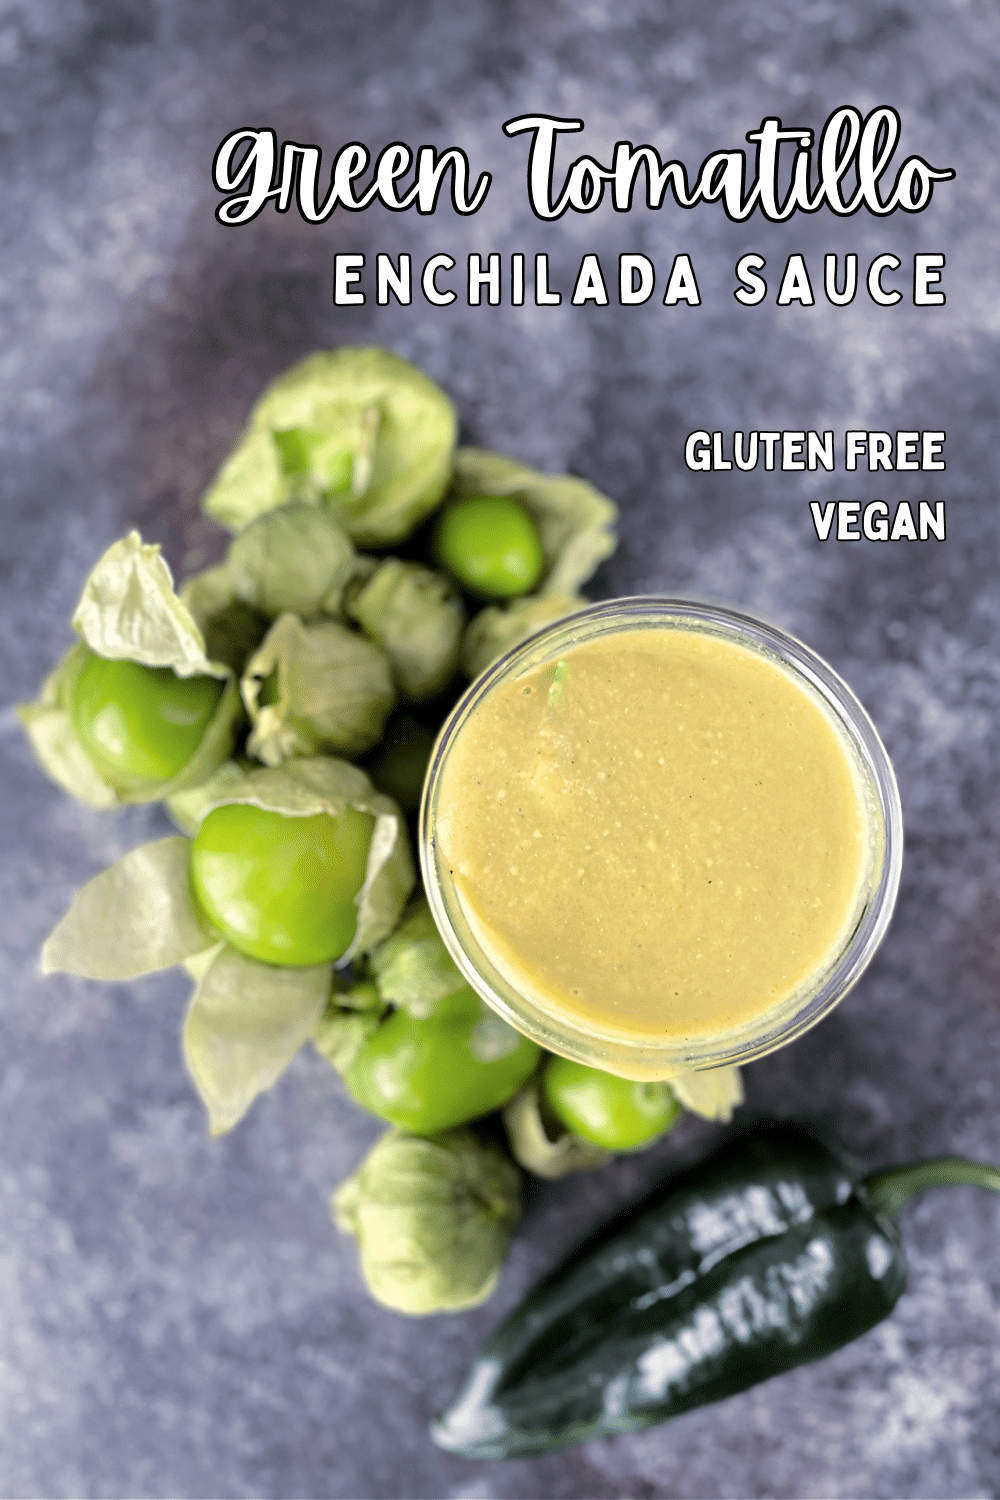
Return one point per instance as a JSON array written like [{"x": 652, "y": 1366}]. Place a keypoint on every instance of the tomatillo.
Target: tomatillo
[
  {"x": 140, "y": 723},
  {"x": 282, "y": 889},
  {"x": 429, "y": 1075},
  {"x": 306, "y": 450},
  {"x": 613, "y": 1112},
  {"x": 491, "y": 545}
]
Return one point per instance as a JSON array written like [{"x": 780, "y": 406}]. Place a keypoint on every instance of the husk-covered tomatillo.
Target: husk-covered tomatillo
[{"x": 433, "y": 1217}]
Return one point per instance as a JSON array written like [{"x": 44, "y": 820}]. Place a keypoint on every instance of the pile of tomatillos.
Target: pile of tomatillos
[{"x": 283, "y": 705}]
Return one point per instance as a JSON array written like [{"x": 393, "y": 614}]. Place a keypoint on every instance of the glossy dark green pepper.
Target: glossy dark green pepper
[{"x": 768, "y": 1253}]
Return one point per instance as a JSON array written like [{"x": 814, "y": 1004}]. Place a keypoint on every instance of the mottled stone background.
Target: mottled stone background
[{"x": 178, "y": 1316}]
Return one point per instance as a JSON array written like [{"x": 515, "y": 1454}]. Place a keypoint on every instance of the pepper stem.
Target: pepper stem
[{"x": 889, "y": 1190}]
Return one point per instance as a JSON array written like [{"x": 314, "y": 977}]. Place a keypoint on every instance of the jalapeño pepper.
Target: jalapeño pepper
[{"x": 768, "y": 1253}]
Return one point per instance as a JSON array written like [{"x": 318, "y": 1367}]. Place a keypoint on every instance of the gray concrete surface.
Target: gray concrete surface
[{"x": 178, "y": 1316}]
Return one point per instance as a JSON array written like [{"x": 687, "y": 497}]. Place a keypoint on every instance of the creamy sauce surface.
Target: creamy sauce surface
[{"x": 663, "y": 834}]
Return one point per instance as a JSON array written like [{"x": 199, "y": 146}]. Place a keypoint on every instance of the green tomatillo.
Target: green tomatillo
[
  {"x": 612, "y": 1112},
  {"x": 429, "y": 1075},
  {"x": 491, "y": 545},
  {"x": 282, "y": 889},
  {"x": 139, "y": 723}
]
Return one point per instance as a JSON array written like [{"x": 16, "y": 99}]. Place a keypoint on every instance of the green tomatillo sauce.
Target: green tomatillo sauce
[{"x": 663, "y": 833}]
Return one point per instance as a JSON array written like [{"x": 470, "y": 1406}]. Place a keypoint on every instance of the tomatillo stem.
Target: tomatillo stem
[{"x": 888, "y": 1191}]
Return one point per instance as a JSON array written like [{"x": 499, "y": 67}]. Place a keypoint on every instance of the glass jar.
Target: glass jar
[{"x": 511, "y": 989}]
